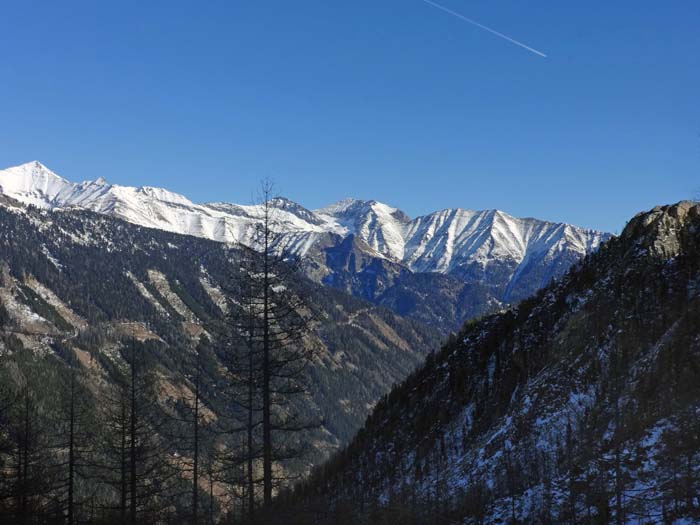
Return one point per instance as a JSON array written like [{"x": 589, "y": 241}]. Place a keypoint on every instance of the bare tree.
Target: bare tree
[
  {"x": 272, "y": 319},
  {"x": 133, "y": 456},
  {"x": 73, "y": 442},
  {"x": 29, "y": 466},
  {"x": 190, "y": 427}
]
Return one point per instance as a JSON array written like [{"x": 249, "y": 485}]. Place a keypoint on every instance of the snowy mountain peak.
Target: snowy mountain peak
[
  {"x": 338, "y": 207},
  {"x": 454, "y": 241},
  {"x": 33, "y": 169},
  {"x": 352, "y": 209},
  {"x": 353, "y": 206},
  {"x": 163, "y": 195},
  {"x": 33, "y": 183},
  {"x": 34, "y": 165}
]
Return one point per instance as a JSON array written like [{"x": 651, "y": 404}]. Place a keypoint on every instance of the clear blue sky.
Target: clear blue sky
[{"x": 391, "y": 100}]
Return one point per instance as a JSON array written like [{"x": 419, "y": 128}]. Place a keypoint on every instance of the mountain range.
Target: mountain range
[
  {"x": 78, "y": 283},
  {"x": 579, "y": 405},
  {"x": 441, "y": 268}
]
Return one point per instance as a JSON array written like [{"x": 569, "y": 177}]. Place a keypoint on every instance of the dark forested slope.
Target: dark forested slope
[
  {"x": 580, "y": 405},
  {"x": 87, "y": 281}
]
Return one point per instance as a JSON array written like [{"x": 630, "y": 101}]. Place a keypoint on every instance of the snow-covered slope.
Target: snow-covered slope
[
  {"x": 444, "y": 241},
  {"x": 35, "y": 184},
  {"x": 448, "y": 241},
  {"x": 470, "y": 262}
]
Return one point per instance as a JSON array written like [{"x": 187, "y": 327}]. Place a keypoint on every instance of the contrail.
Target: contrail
[{"x": 482, "y": 26}]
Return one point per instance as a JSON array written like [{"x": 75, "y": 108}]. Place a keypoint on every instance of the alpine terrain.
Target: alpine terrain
[
  {"x": 441, "y": 269},
  {"x": 84, "y": 289},
  {"x": 578, "y": 405}
]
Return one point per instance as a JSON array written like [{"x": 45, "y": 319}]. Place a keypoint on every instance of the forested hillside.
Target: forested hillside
[
  {"x": 93, "y": 308},
  {"x": 580, "y": 405}
]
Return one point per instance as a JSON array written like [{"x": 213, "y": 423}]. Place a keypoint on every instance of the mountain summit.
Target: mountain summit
[
  {"x": 497, "y": 257},
  {"x": 578, "y": 405}
]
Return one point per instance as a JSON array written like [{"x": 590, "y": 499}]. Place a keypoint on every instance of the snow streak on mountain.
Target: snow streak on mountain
[
  {"x": 439, "y": 242},
  {"x": 581, "y": 404}
]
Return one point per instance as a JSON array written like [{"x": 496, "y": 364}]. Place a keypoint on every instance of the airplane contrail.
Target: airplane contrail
[{"x": 485, "y": 28}]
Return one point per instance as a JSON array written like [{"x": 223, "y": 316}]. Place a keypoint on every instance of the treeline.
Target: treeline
[
  {"x": 132, "y": 446},
  {"x": 118, "y": 426},
  {"x": 70, "y": 454}
]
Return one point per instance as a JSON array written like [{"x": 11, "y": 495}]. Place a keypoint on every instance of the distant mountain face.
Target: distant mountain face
[
  {"x": 73, "y": 281},
  {"x": 580, "y": 405},
  {"x": 365, "y": 247}
]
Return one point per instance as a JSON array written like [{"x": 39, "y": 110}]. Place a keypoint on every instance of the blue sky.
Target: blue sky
[{"x": 390, "y": 100}]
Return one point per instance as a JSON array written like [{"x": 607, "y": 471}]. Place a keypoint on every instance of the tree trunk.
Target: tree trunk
[
  {"x": 24, "y": 462},
  {"x": 267, "y": 426},
  {"x": 132, "y": 442},
  {"x": 71, "y": 452},
  {"x": 618, "y": 469},
  {"x": 195, "y": 459},
  {"x": 123, "y": 453},
  {"x": 251, "y": 386}
]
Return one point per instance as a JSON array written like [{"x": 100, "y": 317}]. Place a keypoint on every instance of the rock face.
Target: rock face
[
  {"x": 364, "y": 247},
  {"x": 580, "y": 403},
  {"x": 661, "y": 230}
]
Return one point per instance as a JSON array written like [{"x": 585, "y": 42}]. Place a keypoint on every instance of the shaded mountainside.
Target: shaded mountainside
[
  {"x": 77, "y": 281},
  {"x": 580, "y": 405},
  {"x": 366, "y": 248}
]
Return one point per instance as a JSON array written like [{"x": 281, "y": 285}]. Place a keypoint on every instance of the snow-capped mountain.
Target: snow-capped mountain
[
  {"x": 579, "y": 405},
  {"x": 35, "y": 184},
  {"x": 350, "y": 241},
  {"x": 446, "y": 240},
  {"x": 77, "y": 281}
]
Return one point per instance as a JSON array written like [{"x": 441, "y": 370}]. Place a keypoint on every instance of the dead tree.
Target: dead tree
[
  {"x": 189, "y": 427},
  {"x": 134, "y": 461},
  {"x": 73, "y": 443},
  {"x": 271, "y": 320},
  {"x": 28, "y": 468},
  {"x": 282, "y": 320}
]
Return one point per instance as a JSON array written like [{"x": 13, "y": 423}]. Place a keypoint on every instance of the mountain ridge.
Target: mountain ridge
[
  {"x": 42, "y": 187},
  {"x": 512, "y": 257},
  {"x": 575, "y": 406},
  {"x": 79, "y": 277}
]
